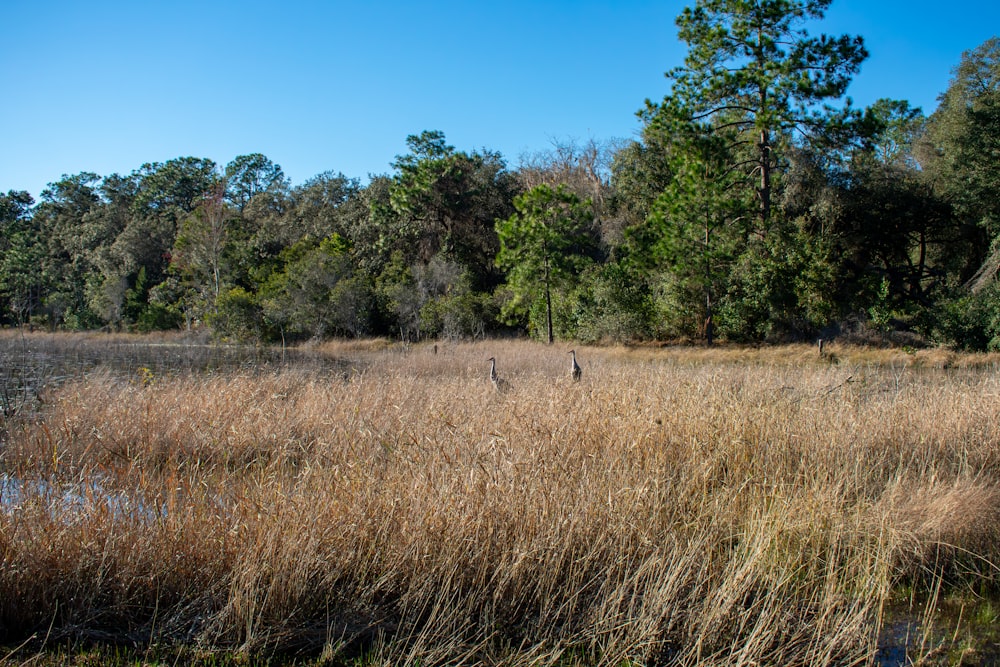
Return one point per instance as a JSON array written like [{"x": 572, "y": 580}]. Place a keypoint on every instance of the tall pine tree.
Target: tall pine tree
[{"x": 752, "y": 68}]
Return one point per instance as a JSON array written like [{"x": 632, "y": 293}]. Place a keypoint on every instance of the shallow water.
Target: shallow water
[
  {"x": 30, "y": 365},
  {"x": 72, "y": 500},
  {"x": 953, "y": 634}
]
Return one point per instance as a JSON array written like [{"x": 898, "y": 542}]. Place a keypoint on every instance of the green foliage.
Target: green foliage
[
  {"x": 858, "y": 219},
  {"x": 352, "y": 302},
  {"x": 777, "y": 289},
  {"x": 613, "y": 305},
  {"x": 696, "y": 226},
  {"x": 370, "y": 223},
  {"x": 239, "y": 317},
  {"x": 753, "y": 70},
  {"x": 963, "y": 131},
  {"x": 250, "y": 175},
  {"x": 70, "y": 233},
  {"x": 958, "y": 154},
  {"x": 563, "y": 308},
  {"x": 891, "y": 131},
  {"x": 319, "y": 208},
  {"x": 880, "y": 312},
  {"x": 174, "y": 187},
  {"x": 433, "y": 299},
  {"x": 445, "y": 201},
  {"x": 719, "y": 254},
  {"x": 175, "y": 300},
  {"x": 199, "y": 252},
  {"x": 970, "y": 321},
  {"x": 165, "y": 195},
  {"x": 159, "y": 317},
  {"x": 317, "y": 292},
  {"x": 20, "y": 258},
  {"x": 544, "y": 246},
  {"x": 751, "y": 208},
  {"x": 136, "y": 297},
  {"x": 745, "y": 313},
  {"x": 640, "y": 172},
  {"x": 398, "y": 298},
  {"x": 460, "y": 314},
  {"x": 813, "y": 262}
]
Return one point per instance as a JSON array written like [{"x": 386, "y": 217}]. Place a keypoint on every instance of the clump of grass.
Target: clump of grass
[{"x": 671, "y": 507}]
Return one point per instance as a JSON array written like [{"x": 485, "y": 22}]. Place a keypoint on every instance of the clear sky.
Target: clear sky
[{"x": 108, "y": 85}]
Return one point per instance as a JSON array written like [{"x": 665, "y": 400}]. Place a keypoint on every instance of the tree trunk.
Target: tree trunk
[
  {"x": 708, "y": 288},
  {"x": 765, "y": 179},
  {"x": 764, "y": 145},
  {"x": 548, "y": 302}
]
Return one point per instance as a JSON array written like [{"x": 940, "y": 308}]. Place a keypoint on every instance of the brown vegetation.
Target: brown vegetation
[{"x": 727, "y": 507}]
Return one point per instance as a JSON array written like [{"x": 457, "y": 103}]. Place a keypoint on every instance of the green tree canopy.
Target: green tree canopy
[
  {"x": 445, "y": 201},
  {"x": 696, "y": 226},
  {"x": 750, "y": 67},
  {"x": 21, "y": 255},
  {"x": 250, "y": 175},
  {"x": 543, "y": 246},
  {"x": 199, "y": 249},
  {"x": 69, "y": 220},
  {"x": 960, "y": 150},
  {"x": 318, "y": 292}
]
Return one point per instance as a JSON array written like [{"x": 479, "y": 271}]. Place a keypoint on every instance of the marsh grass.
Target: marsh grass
[{"x": 676, "y": 506}]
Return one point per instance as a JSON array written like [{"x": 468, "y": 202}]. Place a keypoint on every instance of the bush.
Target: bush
[
  {"x": 158, "y": 317},
  {"x": 466, "y": 314},
  {"x": 239, "y": 316},
  {"x": 615, "y": 306},
  {"x": 971, "y": 321}
]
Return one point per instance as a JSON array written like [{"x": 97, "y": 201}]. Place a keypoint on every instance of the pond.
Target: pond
[{"x": 31, "y": 364}]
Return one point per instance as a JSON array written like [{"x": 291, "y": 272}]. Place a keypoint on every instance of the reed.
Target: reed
[{"x": 675, "y": 506}]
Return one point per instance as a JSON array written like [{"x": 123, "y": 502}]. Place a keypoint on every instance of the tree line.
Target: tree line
[{"x": 756, "y": 204}]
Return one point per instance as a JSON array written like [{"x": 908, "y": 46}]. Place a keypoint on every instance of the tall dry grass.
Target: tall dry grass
[{"x": 671, "y": 508}]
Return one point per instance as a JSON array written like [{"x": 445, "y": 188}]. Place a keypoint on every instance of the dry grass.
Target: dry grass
[{"x": 714, "y": 508}]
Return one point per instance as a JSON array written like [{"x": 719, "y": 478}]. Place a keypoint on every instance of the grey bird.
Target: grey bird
[
  {"x": 498, "y": 382},
  {"x": 575, "y": 369}
]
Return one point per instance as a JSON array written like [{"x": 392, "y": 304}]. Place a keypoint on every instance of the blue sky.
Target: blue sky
[{"x": 105, "y": 86}]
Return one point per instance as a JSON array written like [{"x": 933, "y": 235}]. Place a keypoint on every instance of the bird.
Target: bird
[
  {"x": 575, "y": 371},
  {"x": 498, "y": 382}
]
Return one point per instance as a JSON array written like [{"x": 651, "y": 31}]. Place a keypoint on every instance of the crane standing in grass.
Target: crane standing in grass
[
  {"x": 575, "y": 371},
  {"x": 498, "y": 382}
]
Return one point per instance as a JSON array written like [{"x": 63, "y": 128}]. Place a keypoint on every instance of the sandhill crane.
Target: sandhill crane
[
  {"x": 575, "y": 371},
  {"x": 498, "y": 382}
]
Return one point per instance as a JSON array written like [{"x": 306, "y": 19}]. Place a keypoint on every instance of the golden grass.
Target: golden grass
[{"x": 688, "y": 507}]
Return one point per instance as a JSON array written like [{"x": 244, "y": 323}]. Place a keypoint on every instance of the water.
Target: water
[
  {"x": 955, "y": 633},
  {"x": 30, "y": 365},
  {"x": 71, "y": 500}
]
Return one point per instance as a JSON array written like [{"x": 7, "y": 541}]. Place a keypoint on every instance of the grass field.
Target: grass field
[{"x": 379, "y": 504}]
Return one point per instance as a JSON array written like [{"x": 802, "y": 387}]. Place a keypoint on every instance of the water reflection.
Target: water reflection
[
  {"x": 68, "y": 501},
  {"x": 932, "y": 633},
  {"x": 31, "y": 364}
]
